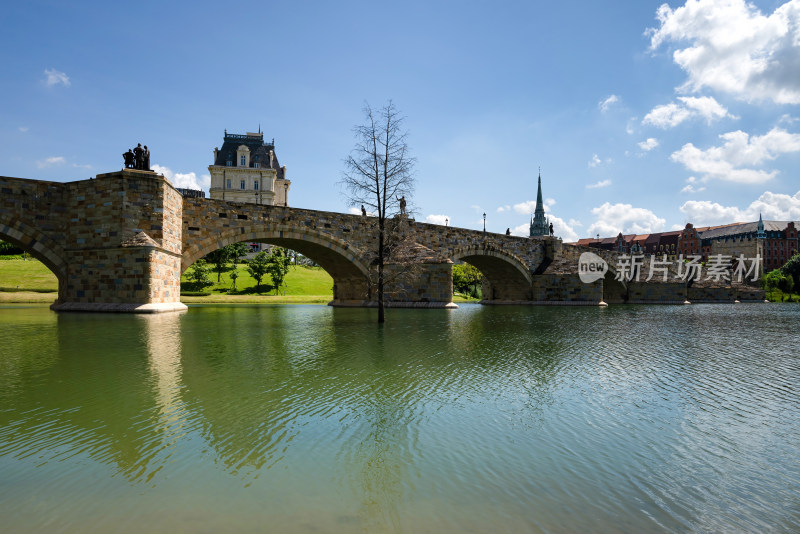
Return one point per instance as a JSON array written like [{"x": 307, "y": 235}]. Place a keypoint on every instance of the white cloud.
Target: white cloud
[
  {"x": 607, "y": 103},
  {"x": 77, "y": 166},
  {"x": 187, "y": 180},
  {"x": 629, "y": 126},
  {"x": 731, "y": 47},
  {"x": 523, "y": 230},
  {"x": 772, "y": 206},
  {"x": 55, "y": 77},
  {"x": 437, "y": 219},
  {"x": 672, "y": 114},
  {"x": 527, "y": 207},
  {"x": 729, "y": 162},
  {"x": 598, "y": 185},
  {"x": 501, "y": 209},
  {"x": 23, "y": 129},
  {"x": 563, "y": 229},
  {"x": 692, "y": 189},
  {"x": 615, "y": 218},
  {"x": 548, "y": 203},
  {"x": 49, "y": 162},
  {"x": 595, "y": 161},
  {"x": 648, "y": 144}
]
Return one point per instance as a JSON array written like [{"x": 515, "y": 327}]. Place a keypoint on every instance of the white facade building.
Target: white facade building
[{"x": 246, "y": 169}]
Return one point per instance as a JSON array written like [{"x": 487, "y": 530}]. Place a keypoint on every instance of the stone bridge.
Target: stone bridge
[{"x": 120, "y": 242}]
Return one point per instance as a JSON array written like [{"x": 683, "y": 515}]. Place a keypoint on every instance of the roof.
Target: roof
[
  {"x": 742, "y": 228},
  {"x": 258, "y": 148}
]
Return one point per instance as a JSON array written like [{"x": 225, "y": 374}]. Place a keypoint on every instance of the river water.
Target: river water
[{"x": 481, "y": 419}]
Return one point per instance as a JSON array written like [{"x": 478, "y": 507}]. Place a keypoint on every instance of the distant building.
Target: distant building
[
  {"x": 774, "y": 241},
  {"x": 539, "y": 225},
  {"x": 246, "y": 169},
  {"x": 191, "y": 193}
]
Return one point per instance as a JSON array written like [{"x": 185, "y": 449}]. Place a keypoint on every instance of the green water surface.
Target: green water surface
[{"x": 481, "y": 419}]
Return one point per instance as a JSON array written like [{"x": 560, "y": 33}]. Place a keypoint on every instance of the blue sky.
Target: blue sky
[{"x": 642, "y": 115}]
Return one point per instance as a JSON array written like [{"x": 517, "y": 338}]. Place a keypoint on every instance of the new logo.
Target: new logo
[{"x": 591, "y": 267}]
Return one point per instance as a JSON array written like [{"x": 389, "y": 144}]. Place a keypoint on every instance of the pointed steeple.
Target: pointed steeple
[
  {"x": 761, "y": 233},
  {"x": 539, "y": 225},
  {"x": 539, "y": 203}
]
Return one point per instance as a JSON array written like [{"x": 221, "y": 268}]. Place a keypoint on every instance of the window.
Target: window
[
  {"x": 229, "y": 163},
  {"x": 228, "y": 184},
  {"x": 241, "y": 184},
  {"x": 243, "y": 162},
  {"x": 256, "y": 165},
  {"x": 255, "y": 183}
]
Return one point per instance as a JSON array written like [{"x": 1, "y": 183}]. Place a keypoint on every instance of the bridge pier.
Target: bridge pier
[{"x": 122, "y": 244}]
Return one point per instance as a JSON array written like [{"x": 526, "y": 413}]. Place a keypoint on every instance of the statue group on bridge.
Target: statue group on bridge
[{"x": 137, "y": 158}]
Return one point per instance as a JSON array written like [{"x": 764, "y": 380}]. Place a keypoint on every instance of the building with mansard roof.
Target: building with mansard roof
[{"x": 246, "y": 169}]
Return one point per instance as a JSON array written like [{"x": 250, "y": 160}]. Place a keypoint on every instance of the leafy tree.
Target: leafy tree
[
  {"x": 777, "y": 280},
  {"x": 278, "y": 266},
  {"x": 234, "y": 276},
  {"x": 379, "y": 172},
  {"x": 238, "y": 250},
  {"x": 792, "y": 268},
  {"x": 466, "y": 279},
  {"x": 7, "y": 249},
  {"x": 198, "y": 275},
  {"x": 258, "y": 267},
  {"x": 219, "y": 258}
]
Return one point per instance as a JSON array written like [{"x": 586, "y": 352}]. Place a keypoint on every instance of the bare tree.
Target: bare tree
[{"x": 379, "y": 173}]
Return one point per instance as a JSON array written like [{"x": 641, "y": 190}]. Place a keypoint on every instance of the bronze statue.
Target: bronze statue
[
  {"x": 402, "y": 205},
  {"x": 508, "y": 231},
  {"x": 146, "y": 159},
  {"x": 138, "y": 153},
  {"x": 363, "y": 211},
  {"x": 551, "y": 230},
  {"x": 128, "y": 157}
]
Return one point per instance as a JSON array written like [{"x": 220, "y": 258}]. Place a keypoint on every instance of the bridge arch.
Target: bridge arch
[
  {"x": 339, "y": 259},
  {"x": 38, "y": 245},
  {"x": 508, "y": 276}
]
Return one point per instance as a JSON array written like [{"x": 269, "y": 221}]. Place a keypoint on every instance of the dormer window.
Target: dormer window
[
  {"x": 256, "y": 165},
  {"x": 242, "y": 160},
  {"x": 229, "y": 163}
]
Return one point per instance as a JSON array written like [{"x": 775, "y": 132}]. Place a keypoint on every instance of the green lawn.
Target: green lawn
[
  {"x": 26, "y": 275},
  {"x": 300, "y": 281},
  {"x": 26, "y": 280},
  {"x": 776, "y": 295}
]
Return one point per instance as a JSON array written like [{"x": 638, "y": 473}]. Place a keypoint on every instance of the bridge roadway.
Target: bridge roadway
[{"x": 120, "y": 242}]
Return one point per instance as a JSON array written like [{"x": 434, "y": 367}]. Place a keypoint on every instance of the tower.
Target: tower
[{"x": 539, "y": 224}]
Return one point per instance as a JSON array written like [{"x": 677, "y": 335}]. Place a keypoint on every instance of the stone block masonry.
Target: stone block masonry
[{"x": 121, "y": 241}]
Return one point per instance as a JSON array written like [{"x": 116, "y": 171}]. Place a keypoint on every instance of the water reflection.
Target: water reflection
[{"x": 630, "y": 418}]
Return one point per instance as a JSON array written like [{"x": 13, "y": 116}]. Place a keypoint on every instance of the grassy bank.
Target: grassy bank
[
  {"x": 17, "y": 274},
  {"x": 300, "y": 282},
  {"x": 29, "y": 281},
  {"x": 777, "y": 295}
]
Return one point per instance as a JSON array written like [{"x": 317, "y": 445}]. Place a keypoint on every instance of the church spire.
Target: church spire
[{"x": 539, "y": 225}]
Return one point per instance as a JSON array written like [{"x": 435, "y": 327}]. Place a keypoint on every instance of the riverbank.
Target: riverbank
[{"x": 30, "y": 282}]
